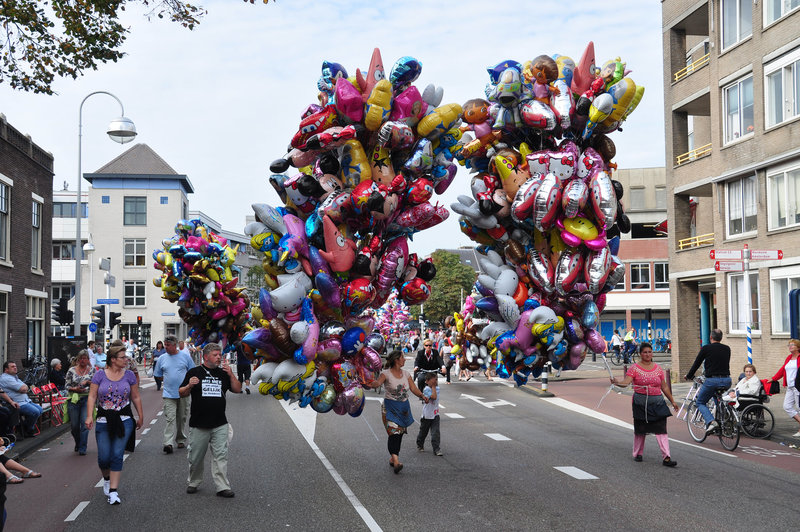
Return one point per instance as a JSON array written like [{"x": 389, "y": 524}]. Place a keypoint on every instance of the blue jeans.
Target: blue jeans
[
  {"x": 110, "y": 448},
  {"x": 77, "y": 416},
  {"x": 706, "y": 392},
  {"x": 31, "y": 412}
]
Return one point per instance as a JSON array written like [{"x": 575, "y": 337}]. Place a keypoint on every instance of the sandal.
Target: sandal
[
  {"x": 32, "y": 474},
  {"x": 14, "y": 479}
]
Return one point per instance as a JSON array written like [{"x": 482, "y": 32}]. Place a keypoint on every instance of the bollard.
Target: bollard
[{"x": 545, "y": 375}]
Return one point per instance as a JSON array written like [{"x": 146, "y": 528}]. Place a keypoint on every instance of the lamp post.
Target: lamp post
[
  {"x": 120, "y": 130},
  {"x": 88, "y": 249}
]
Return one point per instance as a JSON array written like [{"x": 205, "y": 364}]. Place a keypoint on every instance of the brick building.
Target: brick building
[
  {"x": 26, "y": 185},
  {"x": 732, "y": 118}
]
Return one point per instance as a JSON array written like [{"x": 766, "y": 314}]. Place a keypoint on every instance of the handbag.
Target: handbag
[{"x": 775, "y": 387}]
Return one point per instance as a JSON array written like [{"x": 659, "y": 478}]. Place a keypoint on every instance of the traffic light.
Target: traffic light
[
  {"x": 648, "y": 315},
  {"x": 113, "y": 319},
  {"x": 99, "y": 316},
  {"x": 138, "y": 320},
  {"x": 61, "y": 313}
]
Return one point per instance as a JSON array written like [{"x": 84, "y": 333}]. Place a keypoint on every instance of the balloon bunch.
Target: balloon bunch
[
  {"x": 544, "y": 209},
  {"x": 368, "y": 160},
  {"x": 198, "y": 273},
  {"x": 468, "y": 345},
  {"x": 393, "y": 316}
]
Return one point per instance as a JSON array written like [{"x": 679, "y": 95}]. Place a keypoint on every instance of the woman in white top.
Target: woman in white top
[
  {"x": 749, "y": 385},
  {"x": 788, "y": 372}
]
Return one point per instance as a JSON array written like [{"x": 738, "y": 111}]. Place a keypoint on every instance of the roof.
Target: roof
[
  {"x": 139, "y": 162},
  {"x": 468, "y": 257}
]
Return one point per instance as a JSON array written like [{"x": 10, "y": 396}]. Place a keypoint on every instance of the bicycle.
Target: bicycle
[
  {"x": 35, "y": 375},
  {"x": 618, "y": 358},
  {"x": 662, "y": 345},
  {"x": 724, "y": 414}
]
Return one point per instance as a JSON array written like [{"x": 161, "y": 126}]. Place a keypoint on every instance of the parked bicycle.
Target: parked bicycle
[
  {"x": 662, "y": 345},
  {"x": 724, "y": 414},
  {"x": 35, "y": 375}
]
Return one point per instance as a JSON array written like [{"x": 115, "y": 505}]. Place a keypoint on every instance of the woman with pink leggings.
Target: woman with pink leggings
[{"x": 650, "y": 411}]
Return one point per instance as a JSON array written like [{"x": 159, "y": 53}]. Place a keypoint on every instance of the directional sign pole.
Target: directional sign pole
[{"x": 747, "y": 304}]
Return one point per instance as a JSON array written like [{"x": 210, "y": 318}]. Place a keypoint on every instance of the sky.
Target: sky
[{"x": 221, "y": 102}]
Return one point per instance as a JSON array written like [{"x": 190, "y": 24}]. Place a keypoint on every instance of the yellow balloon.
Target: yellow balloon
[
  {"x": 379, "y": 104},
  {"x": 581, "y": 227},
  {"x": 439, "y": 120}
]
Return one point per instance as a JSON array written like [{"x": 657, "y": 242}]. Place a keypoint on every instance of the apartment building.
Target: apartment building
[
  {"x": 26, "y": 192},
  {"x": 732, "y": 110}
]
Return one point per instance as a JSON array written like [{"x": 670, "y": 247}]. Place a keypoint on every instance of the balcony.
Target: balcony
[
  {"x": 697, "y": 153},
  {"x": 696, "y": 241},
  {"x": 691, "y": 67}
]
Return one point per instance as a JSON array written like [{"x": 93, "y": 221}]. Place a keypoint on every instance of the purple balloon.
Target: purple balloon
[
  {"x": 577, "y": 352},
  {"x": 594, "y": 340}
]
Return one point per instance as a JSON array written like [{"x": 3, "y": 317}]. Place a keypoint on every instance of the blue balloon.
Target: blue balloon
[
  {"x": 353, "y": 341},
  {"x": 405, "y": 71}
]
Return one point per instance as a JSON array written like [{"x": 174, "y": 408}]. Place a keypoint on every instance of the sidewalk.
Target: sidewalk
[
  {"x": 785, "y": 427},
  {"x": 27, "y": 446}
]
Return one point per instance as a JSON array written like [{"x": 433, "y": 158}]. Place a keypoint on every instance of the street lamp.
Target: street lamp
[
  {"x": 88, "y": 249},
  {"x": 120, "y": 130}
]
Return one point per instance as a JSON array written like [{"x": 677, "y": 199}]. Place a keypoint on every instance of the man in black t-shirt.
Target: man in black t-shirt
[
  {"x": 427, "y": 359},
  {"x": 716, "y": 360},
  {"x": 207, "y": 385}
]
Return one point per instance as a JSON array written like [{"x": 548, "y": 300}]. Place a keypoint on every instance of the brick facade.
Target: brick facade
[{"x": 30, "y": 169}]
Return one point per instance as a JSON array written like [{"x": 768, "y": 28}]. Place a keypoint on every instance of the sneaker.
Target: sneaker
[
  {"x": 637, "y": 458},
  {"x": 191, "y": 489},
  {"x": 106, "y": 487},
  {"x": 420, "y": 449},
  {"x": 247, "y": 391},
  {"x": 113, "y": 498},
  {"x": 225, "y": 493},
  {"x": 168, "y": 449},
  {"x": 438, "y": 453},
  {"x": 796, "y": 434},
  {"x": 669, "y": 462},
  {"x": 712, "y": 427}
]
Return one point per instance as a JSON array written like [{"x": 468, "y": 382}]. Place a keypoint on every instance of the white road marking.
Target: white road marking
[
  {"x": 454, "y": 416},
  {"x": 154, "y": 422},
  {"x": 137, "y": 443},
  {"x": 574, "y": 472},
  {"x": 77, "y": 511},
  {"x": 497, "y": 437},
  {"x": 145, "y": 431},
  {"x": 563, "y": 403},
  {"x": 99, "y": 484},
  {"x": 490, "y": 404},
  {"x": 43, "y": 450},
  {"x": 305, "y": 419},
  {"x": 148, "y": 385},
  {"x": 160, "y": 412}
]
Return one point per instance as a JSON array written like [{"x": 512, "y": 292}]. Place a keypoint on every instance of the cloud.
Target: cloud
[{"x": 221, "y": 102}]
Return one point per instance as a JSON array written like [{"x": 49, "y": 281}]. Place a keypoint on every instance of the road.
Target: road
[{"x": 512, "y": 461}]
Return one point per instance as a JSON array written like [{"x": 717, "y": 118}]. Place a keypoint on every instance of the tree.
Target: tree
[
  {"x": 40, "y": 40},
  {"x": 254, "y": 281},
  {"x": 451, "y": 278}
]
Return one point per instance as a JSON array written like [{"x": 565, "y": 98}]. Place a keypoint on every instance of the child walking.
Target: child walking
[{"x": 430, "y": 416}]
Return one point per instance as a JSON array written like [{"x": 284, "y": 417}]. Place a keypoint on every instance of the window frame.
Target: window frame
[
  {"x": 730, "y": 286},
  {"x": 36, "y": 234},
  {"x": 635, "y": 204},
  {"x": 135, "y": 202},
  {"x": 727, "y": 138},
  {"x": 784, "y": 195},
  {"x": 722, "y": 30},
  {"x": 743, "y": 233},
  {"x": 765, "y": 14},
  {"x": 656, "y": 282},
  {"x": 142, "y": 256},
  {"x": 636, "y": 267},
  {"x": 57, "y": 291},
  {"x": 779, "y": 299},
  {"x": 789, "y": 62},
  {"x": 34, "y": 326},
  {"x": 135, "y": 285},
  {"x": 5, "y": 219}
]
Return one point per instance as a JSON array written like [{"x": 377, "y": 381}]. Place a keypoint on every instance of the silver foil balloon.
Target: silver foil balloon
[
  {"x": 541, "y": 271},
  {"x": 522, "y": 206},
  {"x": 546, "y": 202},
  {"x": 568, "y": 270},
  {"x": 574, "y": 197},
  {"x": 376, "y": 341},
  {"x": 603, "y": 199},
  {"x": 596, "y": 269},
  {"x": 616, "y": 273},
  {"x": 332, "y": 329}
]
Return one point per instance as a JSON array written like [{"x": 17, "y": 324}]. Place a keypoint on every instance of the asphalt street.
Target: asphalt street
[{"x": 512, "y": 461}]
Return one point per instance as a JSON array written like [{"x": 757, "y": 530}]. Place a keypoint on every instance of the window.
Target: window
[
  {"x": 63, "y": 209},
  {"x": 640, "y": 276},
  {"x": 661, "y": 275},
  {"x": 637, "y": 198},
  {"x": 742, "y": 206},
  {"x": 737, "y": 301},
  {"x": 5, "y": 212},
  {"x": 185, "y": 211},
  {"x": 3, "y": 326},
  {"x": 782, "y": 90},
  {"x": 775, "y": 9},
  {"x": 134, "y": 293},
  {"x": 36, "y": 236},
  {"x": 105, "y": 199},
  {"x": 737, "y": 21},
  {"x": 134, "y": 252},
  {"x": 59, "y": 290},
  {"x": 661, "y": 197},
  {"x": 63, "y": 250},
  {"x": 690, "y": 132},
  {"x": 782, "y": 280},
  {"x": 34, "y": 318},
  {"x": 164, "y": 200},
  {"x": 784, "y": 198},
  {"x": 135, "y": 211},
  {"x": 737, "y": 99}
]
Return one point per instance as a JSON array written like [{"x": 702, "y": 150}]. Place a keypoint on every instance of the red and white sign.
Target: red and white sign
[
  {"x": 729, "y": 266},
  {"x": 730, "y": 254},
  {"x": 766, "y": 254}
]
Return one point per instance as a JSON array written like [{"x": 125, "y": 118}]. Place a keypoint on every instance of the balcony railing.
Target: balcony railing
[
  {"x": 696, "y": 153},
  {"x": 691, "y": 67},
  {"x": 696, "y": 241}
]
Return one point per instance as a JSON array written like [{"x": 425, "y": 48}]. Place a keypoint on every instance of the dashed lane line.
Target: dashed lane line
[
  {"x": 574, "y": 472},
  {"x": 497, "y": 437},
  {"x": 145, "y": 431},
  {"x": 78, "y": 509},
  {"x": 160, "y": 412},
  {"x": 454, "y": 415},
  {"x": 153, "y": 422}
]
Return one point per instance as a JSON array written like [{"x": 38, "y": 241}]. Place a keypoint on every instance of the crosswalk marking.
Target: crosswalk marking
[
  {"x": 574, "y": 472},
  {"x": 454, "y": 416},
  {"x": 497, "y": 437},
  {"x": 78, "y": 509}
]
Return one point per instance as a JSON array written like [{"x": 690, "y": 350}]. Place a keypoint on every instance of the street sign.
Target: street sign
[
  {"x": 108, "y": 301},
  {"x": 726, "y": 254},
  {"x": 729, "y": 266},
  {"x": 92, "y": 327},
  {"x": 167, "y": 313},
  {"x": 766, "y": 254}
]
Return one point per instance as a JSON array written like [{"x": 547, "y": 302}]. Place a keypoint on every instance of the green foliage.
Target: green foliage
[
  {"x": 451, "y": 278},
  {"x": 254, "y": 280},
  {"x": 40, "y": 40}
]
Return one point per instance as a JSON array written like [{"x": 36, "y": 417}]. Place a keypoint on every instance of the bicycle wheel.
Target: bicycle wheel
[
  {"x": 616, "y": 358},
  {"x": 728, "y": 428},
  {"x": 696, "y": 423},
  {"x": 758, "y": 421},
  {"x": 633, "y": 357}
]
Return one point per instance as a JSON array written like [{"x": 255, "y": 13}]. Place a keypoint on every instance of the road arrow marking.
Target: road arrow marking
[{"x": 491, "y": 404}]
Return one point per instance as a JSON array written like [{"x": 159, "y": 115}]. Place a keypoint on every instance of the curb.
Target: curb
[
  {"x": 536, "y": 392},
  {"x": 44, "y": 438}
]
